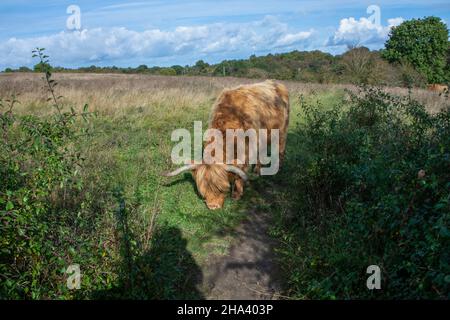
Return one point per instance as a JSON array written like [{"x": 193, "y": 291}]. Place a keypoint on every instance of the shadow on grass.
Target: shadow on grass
[{"x": 166, "y": 270}]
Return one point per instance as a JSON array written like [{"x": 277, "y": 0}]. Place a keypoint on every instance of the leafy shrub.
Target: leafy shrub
[
  {"x": 69, "y": 196},
  {"x": 39, "y": 164},
  {"x": 372, "y": 187}
]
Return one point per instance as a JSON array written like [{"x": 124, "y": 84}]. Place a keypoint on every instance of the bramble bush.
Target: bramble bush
[
  {"x": 68, "y": 197},
  {"x": 372, "y": 186},
  {"x": 39, "y": 168}
]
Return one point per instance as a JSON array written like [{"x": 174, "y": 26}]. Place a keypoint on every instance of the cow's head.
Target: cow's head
[{"x": 212, "y": 180}]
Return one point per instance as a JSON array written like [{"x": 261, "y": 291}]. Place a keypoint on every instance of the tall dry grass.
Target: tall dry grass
[{"x": 116, "y": 94}]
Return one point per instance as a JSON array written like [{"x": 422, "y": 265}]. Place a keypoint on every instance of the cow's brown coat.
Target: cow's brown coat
[
  {"x": 438, "y": 88},
  {"x": 263, "y": 105}
]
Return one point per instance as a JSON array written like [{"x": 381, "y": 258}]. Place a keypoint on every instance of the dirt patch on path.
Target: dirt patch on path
[{"x": 249, "y": 270}]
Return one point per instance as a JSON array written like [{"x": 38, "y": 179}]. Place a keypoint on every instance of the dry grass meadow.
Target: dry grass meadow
[
  {"x": 167, "y": 228},
  {"x": 115, "y": 94}
]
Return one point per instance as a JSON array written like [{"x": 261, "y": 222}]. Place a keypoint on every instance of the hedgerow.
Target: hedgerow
[{"x": 372, "y": 186}]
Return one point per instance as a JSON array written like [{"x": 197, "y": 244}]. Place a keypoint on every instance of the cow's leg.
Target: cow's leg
[
  {"x": 238, "y": 190},
  {"x": 282, "y": 149},
  {"x": 257, "y": 168}
]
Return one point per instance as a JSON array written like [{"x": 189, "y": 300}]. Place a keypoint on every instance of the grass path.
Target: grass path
[{"x": 248, "y": 271}]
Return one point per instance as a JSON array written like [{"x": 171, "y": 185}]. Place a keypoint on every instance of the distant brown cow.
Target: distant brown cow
[
  {"x": 438, "y": 88},
  {"x": 263, "y": 105}
]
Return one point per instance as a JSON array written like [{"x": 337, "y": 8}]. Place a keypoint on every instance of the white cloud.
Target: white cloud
[
  {"x": 293, "y": 38},
  {"x": 361, "y": 32},
  {"x": 121, "y": 44}
]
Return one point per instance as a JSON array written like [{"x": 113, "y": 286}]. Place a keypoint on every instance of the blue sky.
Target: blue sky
[{"x": 167, "y": 32}]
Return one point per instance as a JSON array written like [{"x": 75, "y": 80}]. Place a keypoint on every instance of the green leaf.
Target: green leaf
[{"x": 9, "y": 206}]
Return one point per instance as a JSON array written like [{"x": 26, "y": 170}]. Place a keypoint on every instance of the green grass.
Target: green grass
[{"x": 140, "y": 149}]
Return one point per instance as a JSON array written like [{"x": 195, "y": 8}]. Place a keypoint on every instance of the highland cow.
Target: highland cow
[
  {"x": 257, "y": 106},
  {"x": 441, "y": 88}
]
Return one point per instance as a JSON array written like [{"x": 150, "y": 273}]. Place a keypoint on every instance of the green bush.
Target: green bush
[
  {"x": 372, "y": 187},
  {"x": 39, "y": 165},
  {"x": 69, "y": 195}
]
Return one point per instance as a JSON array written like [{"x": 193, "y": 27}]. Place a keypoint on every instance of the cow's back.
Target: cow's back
[{"x": 262, "y": 105}]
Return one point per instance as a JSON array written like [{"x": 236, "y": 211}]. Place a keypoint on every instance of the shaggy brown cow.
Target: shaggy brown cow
[
  {"x": 263, "y": 105},
  {"x": 438, "y": 88}
]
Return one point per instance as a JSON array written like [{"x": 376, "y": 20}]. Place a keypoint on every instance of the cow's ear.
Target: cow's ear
[
  {"x": 233, "y": 167},
  {"x": 237, "y": 171}
]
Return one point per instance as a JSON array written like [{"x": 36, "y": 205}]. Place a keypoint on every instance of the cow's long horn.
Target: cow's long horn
[
  {"x": 180, "y": 170},
  {"x": 237, "y": 171}
]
